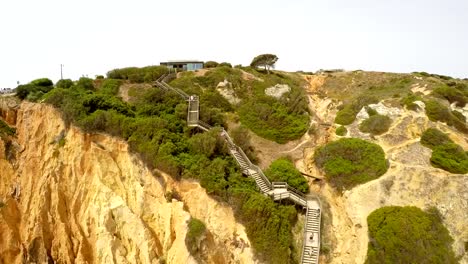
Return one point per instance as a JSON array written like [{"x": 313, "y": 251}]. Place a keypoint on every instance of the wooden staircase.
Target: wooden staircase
[{"x": 277, "y": 190}]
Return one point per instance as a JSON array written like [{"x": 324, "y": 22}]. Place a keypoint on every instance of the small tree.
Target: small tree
[{"x": 265, "y": 60}]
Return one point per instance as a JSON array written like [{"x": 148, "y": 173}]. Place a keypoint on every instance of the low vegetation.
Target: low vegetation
[
  {"x": 351, "y": 161},
  {"x": 409, "y": 101},
  {"x": 437, "y": 111},
  {"x": 341, "y": 131},
  {"x": 6, "y": 130},
  {"x": 376, "y": 124},
  {"x": 408, "y": 235},
  {"x": 347, "y": 114},
  {"x": 445, "y": 153},
  {"x": 283, "y": 170},
  {"x": 196, "y": 230},
  {"x": 35, "y": 89},
  {"x": 433, "y": 137},
  {"x": 457, "y": 94},
  {"x": 155, "y": 128},
  {"x": 138, "y": 75}
]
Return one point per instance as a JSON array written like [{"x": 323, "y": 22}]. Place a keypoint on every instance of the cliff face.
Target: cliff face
[{"x": 72, "y": 197}]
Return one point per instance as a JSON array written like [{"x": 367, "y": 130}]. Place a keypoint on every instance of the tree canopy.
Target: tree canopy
[{"x": 264, "y": 60}]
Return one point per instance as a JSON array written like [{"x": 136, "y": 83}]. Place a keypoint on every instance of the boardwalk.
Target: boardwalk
[{"x": 276, "y": 190}]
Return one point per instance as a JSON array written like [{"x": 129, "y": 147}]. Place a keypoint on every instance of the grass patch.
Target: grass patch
[
  {"x": 408, "y": 235},
  {"x": 351, "y": 161},
  {"x": 283, "y": 170},
  {"x": 341, "y": 131},
  {"x": 376, "y": 124}
]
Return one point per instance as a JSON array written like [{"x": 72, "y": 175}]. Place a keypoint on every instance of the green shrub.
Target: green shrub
[
  {"x": 433, "y": 137},
  {"x": 64, "y": 83},
  {"x": 138, "y": 75},
  {"x": 409, "y": 100},
  {"x": 36, "y": 88},
  {"x": 196, "y": 229},
  {"x": 452, "y": 94},
  {"x": 272, "y": 119},
  {"x": 351, "y": 161},
  {"x": 241, "y": 138},
  {"x": 371, "y": 111},
  {"x": 6, "y": 129},
  {"x": 341, "y": 131},
  {"x": 110, "y": 87},
  {"x": 376, "y": 124},
  {"x": 225, "y": 64},
  {"x": 436, "y": 111},
  {"x": 450, "y": 157},
  {"x": 85, "y": 83},
  {"x": 268, "y": 226},
  {"x": 408, "y": 235},
  {"x": 44, "y": 82},
  {"x": 348, "y": 113},
  {"x": 283, "y": 170},
  {"x": 211, "y": 64},
  {"x": 345, "y": 116},
  {"x": 458, "y": 115}
]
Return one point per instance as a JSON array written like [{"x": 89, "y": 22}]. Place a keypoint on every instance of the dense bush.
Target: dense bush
[
  {"x": 268, "y": 226},
  {"x": 64, "y": 83},
  {"x": 445, "y": 153},
  {"x": 283, "y": 170},
  {"x": 409, "y": 100},
  {"x": 408, "y": 235},
  {"x": 348, "y": 113},
  {"x": 450, "y": 157},
  {"x": 272, "y": 119},
  {"x": 350, "y": 161},
  {"x": 44, "y": 82},
  {"x": 376, "y": 124},
  {"x": 36, "y": 88},
  {"x": 225, "y": 64},
  {"x": 241, "y": 138},
  {"x": 211, "y": 64},
  {"x": 439, "y": 112},
  {"x": 85, "y": 83},
  {"x": 433, "y": 137},
  {"x": 196, "y": 229},
  {"x": 341, "y": 131},
  {"x": 138, "y": 75},
  {"x": 110, "y": 87},
  {"x": 452, "y": 94}
]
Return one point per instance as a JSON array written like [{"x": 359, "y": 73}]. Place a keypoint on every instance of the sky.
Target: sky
[{"x": 92, "y": 37}]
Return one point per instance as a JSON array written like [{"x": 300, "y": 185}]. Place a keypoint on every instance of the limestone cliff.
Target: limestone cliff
[{"x": 71, "y": 197}]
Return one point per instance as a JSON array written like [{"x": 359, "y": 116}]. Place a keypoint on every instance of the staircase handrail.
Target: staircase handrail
[
  {"x": 289, "y": 188},
  {"x": 177, "y": 90},
  {"x": 204, "y": 124},
  {"x": 260, "y": 172}
]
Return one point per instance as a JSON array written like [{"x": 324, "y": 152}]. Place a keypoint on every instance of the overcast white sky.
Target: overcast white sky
[{"x": 93, "y": 37}]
